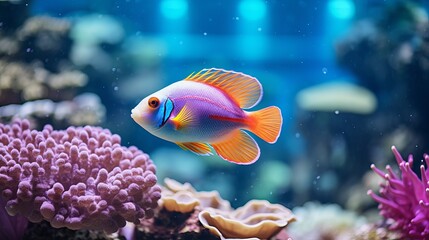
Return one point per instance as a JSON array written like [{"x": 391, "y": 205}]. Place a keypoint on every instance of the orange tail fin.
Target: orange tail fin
[{"x": 266, "y": 123}]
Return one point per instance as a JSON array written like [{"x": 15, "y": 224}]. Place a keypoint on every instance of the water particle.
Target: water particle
[
  {"x": 337, "y": 112},
  {"x": 259, "y": 29},
  {"x": 324, "y": 70},
  {"x": 205, "y": 34},
  {"x": 318, "y": 177},
  {"x": 297, "y": 135},
  {"x": 28, "y": 50},
  {"x": 116, "y": 88},
  {"x": 113, "y": 69},
  {"x": 180, "y": 42}
]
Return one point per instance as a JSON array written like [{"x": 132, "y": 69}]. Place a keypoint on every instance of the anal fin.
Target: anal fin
[
  {"x": 239, "y": 148},
  {"x": 197, "y": 148}
]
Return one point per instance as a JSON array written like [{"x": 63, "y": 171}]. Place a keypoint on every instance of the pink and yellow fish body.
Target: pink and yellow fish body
[{"x": 206, "y": 109}]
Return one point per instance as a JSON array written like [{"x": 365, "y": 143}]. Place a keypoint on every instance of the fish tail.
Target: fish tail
[{"x": 266, "y": 123}]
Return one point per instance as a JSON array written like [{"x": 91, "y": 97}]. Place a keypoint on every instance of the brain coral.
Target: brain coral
[{"x": 79, "y": 178}]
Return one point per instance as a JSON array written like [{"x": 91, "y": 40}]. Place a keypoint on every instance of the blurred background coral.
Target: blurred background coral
[{"x": 351, "y": 78}]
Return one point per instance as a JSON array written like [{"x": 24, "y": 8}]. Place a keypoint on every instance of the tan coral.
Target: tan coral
[
  {"x": 183, "y": 202},
  {"x": 175, "y": 186},
  {"x": 183, "y": 211},
  {"x": 212, "y": 199},
  {"x": 38, "y": 24},
  {"x": 257, "y": 219},
  {"x": 184, "y": 198}
]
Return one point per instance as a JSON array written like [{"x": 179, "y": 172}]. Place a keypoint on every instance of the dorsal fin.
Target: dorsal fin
[{"x": 244, "y": 89}]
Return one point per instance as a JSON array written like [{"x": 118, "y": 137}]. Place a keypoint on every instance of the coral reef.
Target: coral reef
[
  {"x": 39, "y": 39},
  {"x": 92, "y": 34},
  {"x": 404, "y": 198},
  {"x": 337, "y": 96},
  {"x": 389, "y": 53},
  {"x": 84, "y": 109},
  {"x": 173, "y": 192},
  {"x": 372, "y": 231},
  {"x": 8, "y": 17},
  {"x": 43, "y": 230},
  {"x": 11, "y": 227},
  {"x": 35, "y": 65},
  {"x": 317, "y": 221},
  {"x": 185, "y": 213},
  {"x": 20, "y": 81},
  {"x": 256, "y": 219},
  {"x": 79, "y": 178}
]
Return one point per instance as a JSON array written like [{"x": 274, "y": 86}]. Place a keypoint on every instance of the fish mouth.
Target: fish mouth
[{"x": 136, "y": 116}]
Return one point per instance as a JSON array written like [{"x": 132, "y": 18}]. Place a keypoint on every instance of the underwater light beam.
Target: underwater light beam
[
  {"x": 341, "y": 9},
  {"x": 252, "y": 10},
  {"x": 174, "y": 9}
]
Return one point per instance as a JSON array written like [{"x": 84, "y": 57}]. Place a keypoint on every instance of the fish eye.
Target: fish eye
[{"x": 153, "y": 102}]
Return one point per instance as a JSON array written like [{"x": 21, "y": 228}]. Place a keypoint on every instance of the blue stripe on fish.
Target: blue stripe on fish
[{"x": 164, "y": 112}]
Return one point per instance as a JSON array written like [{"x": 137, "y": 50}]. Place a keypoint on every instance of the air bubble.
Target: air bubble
[{"x": 324, "y": 70}]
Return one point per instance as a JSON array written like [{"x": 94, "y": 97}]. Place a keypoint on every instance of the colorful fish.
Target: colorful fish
[{"x": 205, "y": 110}]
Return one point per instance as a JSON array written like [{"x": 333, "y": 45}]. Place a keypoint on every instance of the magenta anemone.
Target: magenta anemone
[{"x": 404, "y": 197}]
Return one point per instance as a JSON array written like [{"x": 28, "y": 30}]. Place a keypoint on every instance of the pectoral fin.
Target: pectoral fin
[
  {"x": 197, "y": 148},
  {"x": 239, "y": 148},
  {"x": 183, "y": 119}
]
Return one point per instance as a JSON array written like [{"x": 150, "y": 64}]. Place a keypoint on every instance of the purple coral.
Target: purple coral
[
  {"x": 11, "y": 227},
  {"x": 405, "y": 198},
  {"x": 79, "y": 178}
]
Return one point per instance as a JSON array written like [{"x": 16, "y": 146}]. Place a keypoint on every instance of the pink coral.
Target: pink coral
[
  {"x": 404, "y": 198},
  {"x": 79, "y": 178}
]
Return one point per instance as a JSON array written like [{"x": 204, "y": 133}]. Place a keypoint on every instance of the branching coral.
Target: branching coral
[
  {"x": 404, "y": 198},
  {"x": 84, "y": 109},
  {"x": 11, "y": 227},
  {"x": 40, "y": 38},
  {"x": 20, "y": 81},
  {"x": 80, "y": 178},
  {"x": 34, "y": 62}
]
